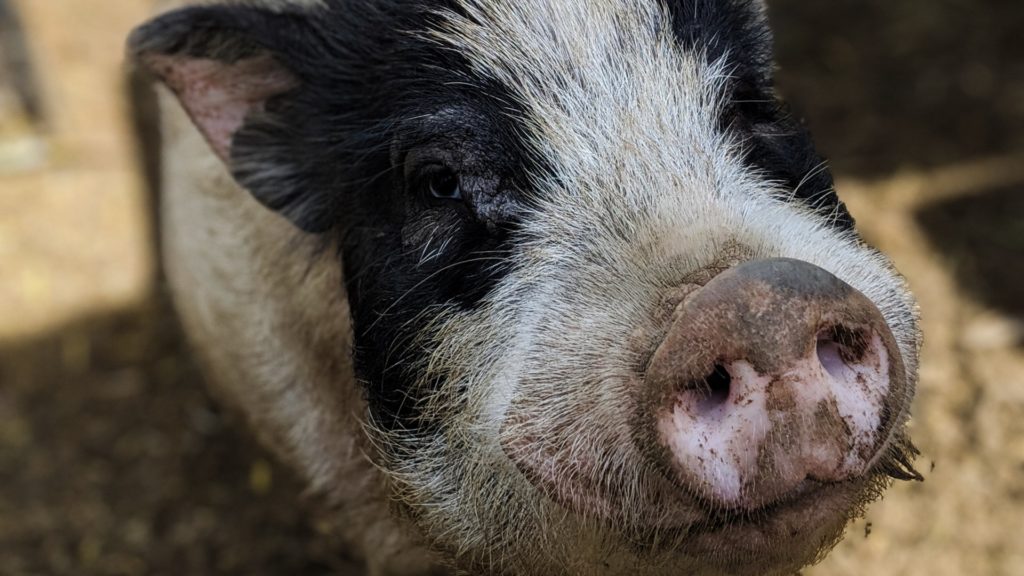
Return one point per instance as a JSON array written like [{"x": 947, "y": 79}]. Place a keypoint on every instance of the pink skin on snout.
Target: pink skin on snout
[
  {"x": 724, "y": 440},
  {"x": 774, "y": 374}
]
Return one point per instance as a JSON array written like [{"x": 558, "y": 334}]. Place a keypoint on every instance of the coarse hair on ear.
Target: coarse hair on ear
[{"x": 229, "y": 65}]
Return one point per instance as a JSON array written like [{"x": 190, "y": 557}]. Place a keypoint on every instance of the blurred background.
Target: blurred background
[{"x": 114, "y": 461}]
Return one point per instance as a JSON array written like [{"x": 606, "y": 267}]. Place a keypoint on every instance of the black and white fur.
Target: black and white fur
[{"x": 379, "y": 333}]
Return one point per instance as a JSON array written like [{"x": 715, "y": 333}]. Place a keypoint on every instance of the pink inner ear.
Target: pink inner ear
[{"x": 219, "y": 96}]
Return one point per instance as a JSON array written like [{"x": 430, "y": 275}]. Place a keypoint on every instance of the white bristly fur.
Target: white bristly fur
[{"x": 647, "y": 190}]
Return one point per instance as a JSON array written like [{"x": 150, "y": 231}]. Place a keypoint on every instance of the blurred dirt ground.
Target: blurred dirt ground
[{"x": 113, "y": 460}]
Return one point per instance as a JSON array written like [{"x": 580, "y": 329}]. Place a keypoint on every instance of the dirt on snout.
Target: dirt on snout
[{"x": 114, "y": 460}]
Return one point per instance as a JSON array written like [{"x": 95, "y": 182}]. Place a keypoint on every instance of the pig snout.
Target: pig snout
[{"x": 774, "y": 376}]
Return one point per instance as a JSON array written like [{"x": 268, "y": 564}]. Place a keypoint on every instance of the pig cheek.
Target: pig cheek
[
  {"x": 786, "y": 540},
  {"x": 551, "y": 470},
  {"x": 595, "y": 475}
]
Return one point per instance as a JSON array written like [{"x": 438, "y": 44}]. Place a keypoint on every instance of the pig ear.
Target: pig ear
[{"x": 228, "y": 65}]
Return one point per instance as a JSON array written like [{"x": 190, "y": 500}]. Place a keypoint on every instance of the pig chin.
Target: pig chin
[{"x": 783, "y": 537}]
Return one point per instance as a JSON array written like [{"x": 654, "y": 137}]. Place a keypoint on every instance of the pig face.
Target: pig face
[{"x": 609, "y": 315}]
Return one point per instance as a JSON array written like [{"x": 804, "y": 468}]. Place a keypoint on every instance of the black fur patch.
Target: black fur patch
[{"x": 374, "y": 95}]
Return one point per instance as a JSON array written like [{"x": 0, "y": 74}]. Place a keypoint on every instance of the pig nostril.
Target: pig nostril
[
  {"x": 839, "y": 348},
  {"x": 715, "y": 388}
]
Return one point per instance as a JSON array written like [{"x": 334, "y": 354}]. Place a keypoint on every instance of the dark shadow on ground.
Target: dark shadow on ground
[
  {"x": 982, "y": 236},
  {"x": 887, "y": 85},
  {"x": 115, "y": 461}
]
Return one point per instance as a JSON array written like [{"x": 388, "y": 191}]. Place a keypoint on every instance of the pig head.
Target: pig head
[{"x": 535, "y": 287}]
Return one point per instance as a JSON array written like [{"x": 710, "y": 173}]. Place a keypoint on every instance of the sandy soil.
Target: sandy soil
[{"x": 114, "y": 461}]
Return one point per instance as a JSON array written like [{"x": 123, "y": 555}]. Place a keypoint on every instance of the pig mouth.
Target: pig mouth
[
  {"x": 805, "y": 499},
  {"x": 785, "y": 535},
  {"x": 798, "y": 528},
  {"x": 789, "y": 532}
]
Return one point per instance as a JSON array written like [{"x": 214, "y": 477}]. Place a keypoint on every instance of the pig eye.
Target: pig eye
[{"x": 444, "y": 184}]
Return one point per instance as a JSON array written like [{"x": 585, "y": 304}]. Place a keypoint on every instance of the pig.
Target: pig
[{"x": 530, "y": 287}]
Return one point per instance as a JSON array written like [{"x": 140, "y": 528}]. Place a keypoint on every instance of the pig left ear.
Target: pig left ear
[{"x": 229, "y": 67}]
